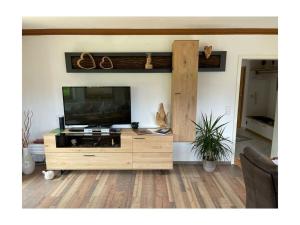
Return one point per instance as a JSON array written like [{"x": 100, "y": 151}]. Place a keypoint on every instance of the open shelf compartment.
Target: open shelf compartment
[{"x": 90, "y": 140}]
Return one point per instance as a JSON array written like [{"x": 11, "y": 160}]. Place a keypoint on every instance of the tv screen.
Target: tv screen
[{"x": 95, "y": 106}]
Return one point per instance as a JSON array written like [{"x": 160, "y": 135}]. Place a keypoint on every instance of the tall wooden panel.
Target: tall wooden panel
[{"x": 184, "y": 89}]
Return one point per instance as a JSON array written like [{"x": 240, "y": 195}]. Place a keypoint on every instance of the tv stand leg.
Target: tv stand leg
[{"x": 64, "y": 172}]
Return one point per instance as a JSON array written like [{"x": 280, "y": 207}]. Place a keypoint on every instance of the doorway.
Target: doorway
[{"x": 257, "y": 107}]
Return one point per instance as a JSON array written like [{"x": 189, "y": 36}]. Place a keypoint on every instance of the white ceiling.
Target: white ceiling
[{"x": 148, "y": 22}]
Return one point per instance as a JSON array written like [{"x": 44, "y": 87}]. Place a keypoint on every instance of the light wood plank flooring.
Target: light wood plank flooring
[{"x": 186, "y": 186}]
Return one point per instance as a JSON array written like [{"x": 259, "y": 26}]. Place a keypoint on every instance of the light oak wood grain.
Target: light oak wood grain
[
  {"x": 152, "y": 144},
  {"x": 49, "y": 141},
  {"x": 152, "y": 160},
  {"x": 88, "y": 161},
  {"x": 73, "y": 158},
  {"x": 184, "y": 89}
]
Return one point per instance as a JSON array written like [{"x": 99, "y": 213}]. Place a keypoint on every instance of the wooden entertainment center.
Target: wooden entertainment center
[
  {"x": 128, "y": 150},
  {"x": 125, "y": 150}
]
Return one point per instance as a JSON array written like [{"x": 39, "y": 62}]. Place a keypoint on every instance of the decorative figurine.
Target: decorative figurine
[
  {"x": 50, "y": 174},
  {"x": 148, "y": 64},
  {"x": 161, "y": 116},
  {"x": 73, "y": 142},
  {"x": 88, "y": 59},
  {"x": 106, "y": 60},
  {"x": 207, "y": 51}
]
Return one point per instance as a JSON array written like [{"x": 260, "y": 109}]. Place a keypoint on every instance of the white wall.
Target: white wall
[
  {"x": 257, "y": 96},
  {"x": 272, "y": 96},
  {"x": 44, "y": 74}
]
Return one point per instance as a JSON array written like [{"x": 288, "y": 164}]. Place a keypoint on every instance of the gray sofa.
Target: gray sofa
[{"x": 261, "y": 179}]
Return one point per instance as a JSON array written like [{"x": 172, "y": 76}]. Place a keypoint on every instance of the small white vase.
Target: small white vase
[
  {"x": 209, "y": 166},
  {"x": 28, "y": 165}
]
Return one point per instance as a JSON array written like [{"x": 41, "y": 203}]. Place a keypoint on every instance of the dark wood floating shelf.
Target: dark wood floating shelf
[{"x": 135, "y": 62}]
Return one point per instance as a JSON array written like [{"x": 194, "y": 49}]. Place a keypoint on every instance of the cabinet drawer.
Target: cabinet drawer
[
  {"x": 152, "y": 144},
  {"x": 88, "y": 161},
  {"x": 152, "y": 161}
]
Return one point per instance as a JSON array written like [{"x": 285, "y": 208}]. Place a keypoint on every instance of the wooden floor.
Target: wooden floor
[{"x": 186, "y": 186}]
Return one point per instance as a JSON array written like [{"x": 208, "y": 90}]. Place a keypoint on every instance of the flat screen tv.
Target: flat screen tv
[{"x": 97, "y": 106}]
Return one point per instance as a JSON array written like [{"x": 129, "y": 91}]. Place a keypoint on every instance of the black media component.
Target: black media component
[
  {"x": 97, "y": 106},
  {"x": 60, "y": 140},
  {"x": 61, "y": 123},
  {"x": 135, "y": 125},
  {"x": 92, "y": 140}
]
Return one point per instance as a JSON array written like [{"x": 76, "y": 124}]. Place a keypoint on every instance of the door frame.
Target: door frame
[
  {"x": 237, "y": 93},
  {"x": 241, "y": 96}
]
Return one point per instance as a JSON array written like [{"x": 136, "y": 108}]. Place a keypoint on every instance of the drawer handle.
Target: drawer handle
[
  {"x": 89, "y": 155},
  {"x": 177, "y": 93},
  {"x": 138, "y": 138}
]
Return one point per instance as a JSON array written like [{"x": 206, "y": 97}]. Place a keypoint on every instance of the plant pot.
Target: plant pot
[
  {"x": 209, "y": 166},
  {"x": 28, "y": 165}
]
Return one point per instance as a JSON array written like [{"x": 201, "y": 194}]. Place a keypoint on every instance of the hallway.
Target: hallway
[{"x": 247, "y": 138}]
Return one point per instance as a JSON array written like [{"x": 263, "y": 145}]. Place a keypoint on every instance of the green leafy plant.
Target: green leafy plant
[{"x": 210, "y": 143}]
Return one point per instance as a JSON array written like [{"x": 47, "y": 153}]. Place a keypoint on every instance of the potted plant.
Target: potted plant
[
  {"x": 210, "y": 145},
  {"x": 28, "y": 165}
]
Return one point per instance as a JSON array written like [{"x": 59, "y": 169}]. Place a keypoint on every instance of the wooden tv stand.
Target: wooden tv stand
[{"x": 124, "y": 151}]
